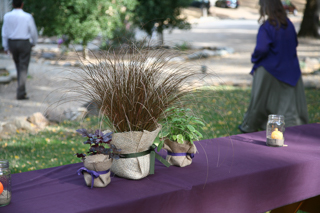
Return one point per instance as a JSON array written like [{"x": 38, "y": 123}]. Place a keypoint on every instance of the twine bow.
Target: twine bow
[
  {"x": 94, "y": 174},
  {"x": 181, "y": 154}
]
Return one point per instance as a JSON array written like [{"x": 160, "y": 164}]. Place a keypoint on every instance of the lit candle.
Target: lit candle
[{"x": 276, "y": 134}]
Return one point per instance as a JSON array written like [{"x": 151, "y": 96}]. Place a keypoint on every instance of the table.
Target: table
[{"x": 231, "y": 174}]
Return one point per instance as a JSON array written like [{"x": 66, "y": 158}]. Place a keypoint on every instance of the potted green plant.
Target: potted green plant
[
  {"x": 131, "y": 89},
  {"x": 178, "y": 134},
  {"x": 97, "y": 163}
]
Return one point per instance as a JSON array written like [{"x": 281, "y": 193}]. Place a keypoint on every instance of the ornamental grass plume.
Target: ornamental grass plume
[{"x": 132, "y": 87}]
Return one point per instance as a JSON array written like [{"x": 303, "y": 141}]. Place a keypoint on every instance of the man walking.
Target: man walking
[{"x": 19, "y": 34}]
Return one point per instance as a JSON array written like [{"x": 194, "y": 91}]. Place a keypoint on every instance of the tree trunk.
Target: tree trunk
[
  {"x": 204, "y": 10},
  {"x": 161, "y": 41},
  {"x": 310, "y": 23},
  {"x": 85, "y": 52}
]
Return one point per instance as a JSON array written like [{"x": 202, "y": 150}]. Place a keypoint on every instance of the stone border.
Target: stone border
[{"x": 5, "y": 79}]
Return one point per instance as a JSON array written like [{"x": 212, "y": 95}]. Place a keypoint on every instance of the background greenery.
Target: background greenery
[
  {"x": 83, "y": 20},
  {"x": 158, "y": 15},
  {"x": 221, "y": 108}
]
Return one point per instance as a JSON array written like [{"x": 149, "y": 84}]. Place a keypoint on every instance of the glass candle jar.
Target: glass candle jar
[
  {"x": 5, "y": 183},
  {"x": 275, "y": 130}
]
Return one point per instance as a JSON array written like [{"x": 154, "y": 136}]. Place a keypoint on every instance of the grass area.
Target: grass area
[{"x": 221, "y": 108}]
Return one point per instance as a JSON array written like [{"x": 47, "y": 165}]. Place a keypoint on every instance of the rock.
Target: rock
[
  {"x": 5, "y": 56},
  {"x": 77, "y": 64},
  {"x": 48, "y": 55},
  {"x": 39, "y": 120},
  {"x": 47, "y": 41},
  {"x": 220, "y": 50},
  {"x": 22, "y": 123},
  {"x": 309, "y": 84},
  {"x": 198, "y": 55},
  {"x": 229, "y": 50},
  {"x": 8, "y": 129},
  {"x": 47, "y": 63},
  {"x": 40, "y": 40},
  {"x": 13, "y": 72},
  {"x": 309, "y": 65},
  {"x": 227, "y": 83},
  {"x": 210, "y": 51},
  {"x": 78, "y": 114},
  {"x": 55, "y": 116},
  {"x": 67, "y": 64},
  {"x": 5, "y": 79},
  {"x": 176, "y": 59},
  {"x": 92, "y": 108},
  {"x": 40, "y": 60},
  {"x": 78, "y": 49},
  {"x": 316, "y": 72},
  {"x": 203, "y": 69},
  {"x": 95, "y": 42}
]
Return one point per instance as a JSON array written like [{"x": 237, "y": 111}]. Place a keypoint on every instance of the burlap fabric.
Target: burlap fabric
[
  {"x": 175, "y": 147},
  {"x": 133, "y": 142},
  {"x": 97, "y": 163}
]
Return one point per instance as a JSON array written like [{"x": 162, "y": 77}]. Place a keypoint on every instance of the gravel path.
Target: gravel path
[{"x": 43, "y": 89}]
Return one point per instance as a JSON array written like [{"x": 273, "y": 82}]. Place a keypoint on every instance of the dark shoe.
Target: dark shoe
[
  {"x": 241, "y": 130},
  {"x": 23, "y": 98}
]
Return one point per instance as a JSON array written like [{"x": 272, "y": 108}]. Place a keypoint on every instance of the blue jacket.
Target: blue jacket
[{"x": 276, "y": 52}]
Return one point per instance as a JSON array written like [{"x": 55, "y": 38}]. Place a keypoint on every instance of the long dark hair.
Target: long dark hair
[{"x": 277, "y": 16}]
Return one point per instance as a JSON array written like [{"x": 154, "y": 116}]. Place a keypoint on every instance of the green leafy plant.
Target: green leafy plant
[{"x": 180, "y": 125}]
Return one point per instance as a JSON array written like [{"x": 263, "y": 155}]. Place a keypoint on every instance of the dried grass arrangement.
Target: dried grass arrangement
[{"x": 132, "y": 89}]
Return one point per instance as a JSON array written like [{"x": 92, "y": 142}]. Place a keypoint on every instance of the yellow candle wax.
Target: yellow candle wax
[{"x": 276, "y": 134}]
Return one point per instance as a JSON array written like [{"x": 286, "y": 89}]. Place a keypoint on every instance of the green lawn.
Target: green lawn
[{"x": 221, "y": 108}]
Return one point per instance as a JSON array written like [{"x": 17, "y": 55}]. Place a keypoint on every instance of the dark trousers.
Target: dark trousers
[{"x": 21, "y": 52}]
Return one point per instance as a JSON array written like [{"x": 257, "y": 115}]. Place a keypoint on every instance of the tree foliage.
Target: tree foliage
[
  {"x": 80, "y": 20},
  {"x": 162, "y": 14},
  {"x": 310, "y": 23},
  {"x": 45, "y": 13}
]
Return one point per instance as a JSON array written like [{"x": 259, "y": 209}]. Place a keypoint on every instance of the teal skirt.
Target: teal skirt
[{"x": 271, "y": 96}]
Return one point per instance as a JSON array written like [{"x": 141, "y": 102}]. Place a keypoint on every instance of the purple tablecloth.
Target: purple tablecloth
[{"x": 233, "y": 174}]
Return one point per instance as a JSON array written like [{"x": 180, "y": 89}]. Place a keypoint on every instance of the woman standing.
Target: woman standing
[{"x": 277, "y": 86}]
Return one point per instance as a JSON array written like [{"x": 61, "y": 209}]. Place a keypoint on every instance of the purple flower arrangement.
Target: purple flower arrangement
[{"x": 99, "y": 144}]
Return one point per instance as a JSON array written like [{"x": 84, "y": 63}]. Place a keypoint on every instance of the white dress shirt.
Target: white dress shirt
[{"x": 18, "y": 24}]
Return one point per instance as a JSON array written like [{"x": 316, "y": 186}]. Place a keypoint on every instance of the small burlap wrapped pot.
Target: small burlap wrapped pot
[
  {"x": 133, "y": 142},
  {"x": 186, "y": 148},
  {"x": 98, "y": 163}
]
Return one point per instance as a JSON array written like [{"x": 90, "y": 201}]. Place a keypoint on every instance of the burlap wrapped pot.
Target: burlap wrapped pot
[
  {"x": 133, "y": 142},
  {"x": 175, "y": 147},
  {"x": 97, "y": 163}
]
